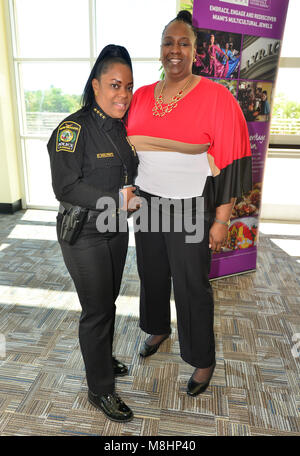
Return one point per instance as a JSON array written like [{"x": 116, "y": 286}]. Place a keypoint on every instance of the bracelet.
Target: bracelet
[{"x": 223, "y": 223}]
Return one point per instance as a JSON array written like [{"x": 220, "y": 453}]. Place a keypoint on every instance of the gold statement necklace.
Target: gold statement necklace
[{"x": 159, "y": 110}]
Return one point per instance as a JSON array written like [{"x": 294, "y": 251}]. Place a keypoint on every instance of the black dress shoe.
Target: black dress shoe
[
  {"x": 112, "y": 406},
  {"x": 195, "y": 388},
  {"x": 119, "y": 368},
  {"x": 148, "y": 350}
]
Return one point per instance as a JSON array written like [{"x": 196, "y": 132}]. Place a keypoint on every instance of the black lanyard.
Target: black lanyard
[
  {"x": 118, "y": 153},
  {"x": 120, "y": 156}
]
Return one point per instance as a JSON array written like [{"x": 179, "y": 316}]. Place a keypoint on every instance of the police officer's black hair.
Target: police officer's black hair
[
  {"x": 110, "y": 54},
  {"x": 186, "y": 17}
]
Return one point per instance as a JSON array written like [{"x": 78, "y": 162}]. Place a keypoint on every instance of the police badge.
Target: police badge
[{"x": 67, "y": 136}]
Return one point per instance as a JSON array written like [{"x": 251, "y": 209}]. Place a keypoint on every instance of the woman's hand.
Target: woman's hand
[
  {"x": 128, "y": 200},
  {"x": 217, "y": 236},
  {"x": 219, "y": 232}
]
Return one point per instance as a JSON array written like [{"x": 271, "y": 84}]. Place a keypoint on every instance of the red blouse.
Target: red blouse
[{"x": 208, "y": 115}]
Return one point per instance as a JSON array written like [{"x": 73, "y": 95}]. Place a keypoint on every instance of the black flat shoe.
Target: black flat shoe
[
  {"x": 112, "y": 406},
  {"x": 148, "y": 350},
  {"x": 119, "y": 368},
  {"x": 195, "y": 388}
]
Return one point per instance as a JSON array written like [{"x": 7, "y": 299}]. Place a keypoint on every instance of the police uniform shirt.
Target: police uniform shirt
[{"x": 85, "y": 164}]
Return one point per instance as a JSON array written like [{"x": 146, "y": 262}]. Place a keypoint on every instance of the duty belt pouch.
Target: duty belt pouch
[{"x": 72, "y": 223}]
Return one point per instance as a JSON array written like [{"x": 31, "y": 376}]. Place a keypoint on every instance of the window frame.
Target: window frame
[
  {"x": 285, "y": 141},
  {"x": 19, "y": 94}
]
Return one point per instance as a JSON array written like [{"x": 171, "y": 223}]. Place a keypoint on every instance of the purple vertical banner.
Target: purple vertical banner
[{"x": 238, "y": 46}]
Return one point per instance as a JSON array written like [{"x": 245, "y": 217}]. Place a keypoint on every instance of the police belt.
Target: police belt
[{"x": 64, "y": 207}]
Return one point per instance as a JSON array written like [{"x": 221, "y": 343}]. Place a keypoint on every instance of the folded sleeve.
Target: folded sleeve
[{"x": 229, "y": 152}]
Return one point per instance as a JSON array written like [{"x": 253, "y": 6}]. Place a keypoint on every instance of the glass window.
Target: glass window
[
  {"x": 290, "y": 45},
  {"x": 286, "y": 109},
  {"x": 51, "y": 92},
  {"x": 145, "y": 73},
  {"x": 52, "y": 28},
  {"x": 135, "y": 24},
  {"x": 273, "y": 192},
  {"x": 285, "y": 125},
  {"x": 39, "y": 187}
]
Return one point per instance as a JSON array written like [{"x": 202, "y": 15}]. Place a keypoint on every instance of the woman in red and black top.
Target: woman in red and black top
[{"x": 192, "y": 141}]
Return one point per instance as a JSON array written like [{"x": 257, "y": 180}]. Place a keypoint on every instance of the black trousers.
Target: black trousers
[
  {"x": 95, "y": 263},
  {"x": 162, "y": 256}
]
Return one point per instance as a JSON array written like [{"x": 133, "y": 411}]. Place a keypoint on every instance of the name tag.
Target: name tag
[{"x": 105, "y": 155}]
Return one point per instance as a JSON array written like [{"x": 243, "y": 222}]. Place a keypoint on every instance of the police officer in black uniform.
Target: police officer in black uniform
[{"x": 91, "y": 159}]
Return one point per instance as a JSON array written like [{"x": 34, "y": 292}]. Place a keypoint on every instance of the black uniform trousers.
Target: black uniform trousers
[
  {"x": 162, "y": 256},
  {"x": 95, "y": 263}
]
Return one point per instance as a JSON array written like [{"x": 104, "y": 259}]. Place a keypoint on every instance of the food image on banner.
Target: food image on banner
[
  {"x": 238, "y": 46},
  {"x": 242, "y": 234},
  {"x": 259, "y": 58},
  {"x": 218, "y": 54},
  {"x": 249, "y": 204}
]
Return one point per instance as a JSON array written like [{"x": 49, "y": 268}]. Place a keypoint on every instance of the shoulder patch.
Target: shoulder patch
[{"x": 67, "y": 136}]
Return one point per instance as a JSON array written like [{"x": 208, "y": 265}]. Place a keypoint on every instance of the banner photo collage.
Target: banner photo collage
[{"x": 238, "y": 46}]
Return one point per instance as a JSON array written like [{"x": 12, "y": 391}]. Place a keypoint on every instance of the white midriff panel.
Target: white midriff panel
[{"x": 172, "y": 174}]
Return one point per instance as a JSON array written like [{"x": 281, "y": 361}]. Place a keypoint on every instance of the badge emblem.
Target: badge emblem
[{"x": 67, "y": 136}]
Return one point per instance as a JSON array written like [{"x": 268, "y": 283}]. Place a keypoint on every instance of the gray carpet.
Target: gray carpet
[{"x": 255, "y": 387}]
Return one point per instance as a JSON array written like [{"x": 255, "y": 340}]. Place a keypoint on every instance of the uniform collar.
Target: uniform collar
[{"x": 105, "y": 121}]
